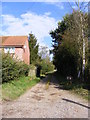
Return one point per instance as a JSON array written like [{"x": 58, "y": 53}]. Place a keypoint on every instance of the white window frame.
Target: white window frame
[{"x": 9, "y": 50}]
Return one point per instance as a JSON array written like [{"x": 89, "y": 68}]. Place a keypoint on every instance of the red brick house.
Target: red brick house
[{"x": 16, "y": 45}]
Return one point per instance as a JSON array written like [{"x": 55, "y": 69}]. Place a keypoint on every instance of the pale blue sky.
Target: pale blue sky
[{"x": 21, "y": 18}]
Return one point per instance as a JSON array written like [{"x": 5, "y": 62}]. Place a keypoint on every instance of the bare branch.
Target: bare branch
[
  {"x": 82, "y": 4},
  {"x": 76, "y": 3},
  {"x": 85, "y": 6},
  {"x": 70, "y": 5}
]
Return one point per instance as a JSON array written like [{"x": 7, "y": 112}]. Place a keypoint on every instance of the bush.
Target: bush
[
  {"x": 87, "y": 67},
  {"x": 46, "y": 66},
  {"x": 87, "y": 72},
  {"x": 12, "y": 69},
  {"x": 66, "y": 59}
]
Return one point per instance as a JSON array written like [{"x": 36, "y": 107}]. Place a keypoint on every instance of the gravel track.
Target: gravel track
[{"x": 39, "y": 102}]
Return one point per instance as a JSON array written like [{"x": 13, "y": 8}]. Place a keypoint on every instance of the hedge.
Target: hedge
[{"x": 12, "y": 69}]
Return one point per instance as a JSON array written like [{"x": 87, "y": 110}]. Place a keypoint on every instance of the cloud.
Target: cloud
[
  {"x": 39, "y": 25},
  {"x": 60, "y": 5},
  {"x": 47, "y": 13},
  {"x": 75, "y": 7},
  {"x": 56, "y": 3}
]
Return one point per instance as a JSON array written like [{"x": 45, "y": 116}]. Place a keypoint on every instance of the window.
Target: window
[
  {"x": 10, "y": 50},
  {"x": 6, "y": 50}
]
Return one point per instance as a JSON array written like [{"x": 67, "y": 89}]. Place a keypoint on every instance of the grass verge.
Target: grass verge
[
  {"x": 80, "y": 89},
  {"x": 13, "y": 89}
]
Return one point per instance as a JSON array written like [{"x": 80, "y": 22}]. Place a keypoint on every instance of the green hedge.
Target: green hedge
[{"x": 12, "y": 69}]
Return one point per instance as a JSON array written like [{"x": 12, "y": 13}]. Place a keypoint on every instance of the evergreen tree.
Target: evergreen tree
[{"x": 33, "y": 49}]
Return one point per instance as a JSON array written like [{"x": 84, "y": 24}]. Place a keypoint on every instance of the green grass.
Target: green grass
[
  {"x": 82, "y": 92},
  {"x": 13, "y": 89},
  {"x": 76, "y": 87}
]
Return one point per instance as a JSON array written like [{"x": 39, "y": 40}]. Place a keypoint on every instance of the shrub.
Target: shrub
[
  {"x": 46, "y": 66},
  {"x": 87, "y": 67},
  {"x": 12, "y": 69},
  {"x": 66, "y": 59},
  {"x": 87, "y": 72}
]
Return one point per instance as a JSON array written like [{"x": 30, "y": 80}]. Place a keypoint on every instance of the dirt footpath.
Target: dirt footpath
[{"x": 40, "y": 102}]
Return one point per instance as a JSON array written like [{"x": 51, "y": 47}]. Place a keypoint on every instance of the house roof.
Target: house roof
[{"x": 13, "y": 40}]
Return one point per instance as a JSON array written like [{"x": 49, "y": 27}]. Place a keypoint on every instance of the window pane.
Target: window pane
[
  {"x": 6, "y": 50},
  {"x": 12, "y": 50}
]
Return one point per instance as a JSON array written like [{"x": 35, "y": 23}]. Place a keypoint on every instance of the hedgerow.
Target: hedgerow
[{"x": 12, "y": 69}]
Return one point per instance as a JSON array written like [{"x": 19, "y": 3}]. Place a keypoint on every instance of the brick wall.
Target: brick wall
[
  {"x": 26, "y": 53},
  {"x": 18, "y": 53}
]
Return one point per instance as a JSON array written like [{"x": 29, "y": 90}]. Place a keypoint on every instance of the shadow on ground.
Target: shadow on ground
[
  {"x": 60, "y": 83},
  {"x": 50, "y": 77},
  {"x": 63, "y": 83},
  {"x": 67, "y": 100}
]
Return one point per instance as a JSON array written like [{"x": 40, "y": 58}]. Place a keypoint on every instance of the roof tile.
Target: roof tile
[{"x": 13, "y": 40}]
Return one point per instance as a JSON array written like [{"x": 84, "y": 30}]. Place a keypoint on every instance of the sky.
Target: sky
[{"x": 39, "y": 18}]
